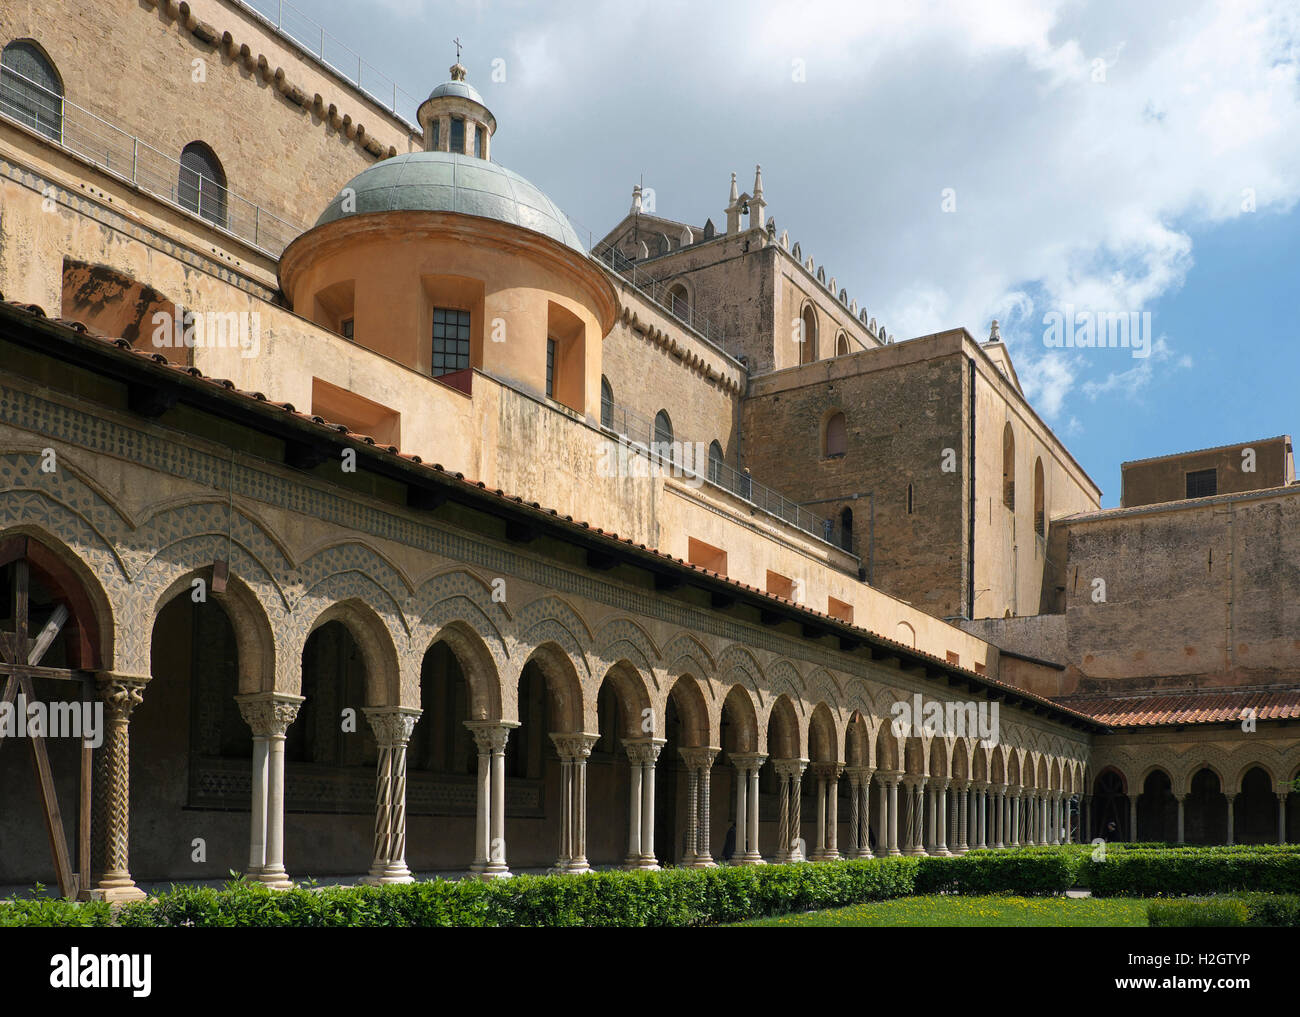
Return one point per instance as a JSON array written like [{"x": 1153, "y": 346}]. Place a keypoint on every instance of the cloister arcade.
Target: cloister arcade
[{"x": 366, "y": 733}]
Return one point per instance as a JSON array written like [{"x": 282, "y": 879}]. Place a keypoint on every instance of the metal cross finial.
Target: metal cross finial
[{"x": 457, "y": 42}]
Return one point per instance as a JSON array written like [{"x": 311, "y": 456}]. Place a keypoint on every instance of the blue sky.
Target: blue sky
[{"x": 1106, "y": 156}]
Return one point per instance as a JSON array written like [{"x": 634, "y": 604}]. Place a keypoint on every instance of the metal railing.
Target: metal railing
[
  {"x": 658, "y": 292},
  {"x": 672, "y": 452},
  {"x": 125, "y": 156},
  {"x": 344, "y": 61}
]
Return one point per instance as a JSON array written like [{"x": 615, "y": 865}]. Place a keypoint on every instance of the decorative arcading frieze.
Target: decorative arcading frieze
[
  {"x": 669, "y": 344},
  {"x": 260, "y": 66}
]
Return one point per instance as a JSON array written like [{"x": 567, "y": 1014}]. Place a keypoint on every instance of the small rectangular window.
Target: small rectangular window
[
  {"x": 346, "y": 328},
  {"x": 706, "y": 556},
  {"x": 478, "y": 142},
  {"x": 437, "y": 124},
  {"x": 1202, "y": 483},
  {"x": 779, "y": 585},
  {"x": 450, "y": 340},
  {"x": 550, "y": 368},
  {"x": 840, "y": 610},
  {"x": 458, "y": 135}
]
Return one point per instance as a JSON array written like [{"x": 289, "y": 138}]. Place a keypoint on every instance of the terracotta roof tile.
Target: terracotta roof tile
[{"x": 1198, "y": 707}]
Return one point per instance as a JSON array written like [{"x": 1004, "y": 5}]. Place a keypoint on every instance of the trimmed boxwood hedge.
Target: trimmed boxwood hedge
[
  {"x": 694, "y": 897},
  {"x": 1276, "y": 910}
]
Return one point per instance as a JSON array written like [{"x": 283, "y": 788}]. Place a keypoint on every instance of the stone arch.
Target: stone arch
[
  {"x": 619, "y": 638},
  {"x": 692, "y": 711},
  {"x": 255, "y": 640},
  {"x": 550, "y": 619},
  {"x": 374, "y": 639},
  {"x": 738, "y": 706},
  {"x": 823, "y": 736},
  {"x": 889, "y": 752},
  {"x": 560, "y": 673},
  {"x": 858, "y": 741},
  {"x": 89, "y": 631},
  {"x": 628, "y": 684},
  {"x": 784, "y": 732},
  {"x": 822, "y": 685},
  {"x": 478, "y": 663},
  {"x": 783, "y": 678}
]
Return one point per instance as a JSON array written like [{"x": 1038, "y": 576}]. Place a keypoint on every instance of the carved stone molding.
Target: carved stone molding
[{"x": 269, "y": 714}]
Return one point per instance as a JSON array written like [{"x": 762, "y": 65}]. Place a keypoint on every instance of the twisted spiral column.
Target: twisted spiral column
[{"x": 111, "y": 818}]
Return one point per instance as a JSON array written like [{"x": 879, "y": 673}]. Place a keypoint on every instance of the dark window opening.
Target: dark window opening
[
  {"x": 30, "y": 89},
  {"x": 202, "y": 184},
  {"x": 1202, "y": 483},
  {"x": 450, "y": 340},
  {"x": 346, "y": 328},
  {"x": 606, "y": 404},
  {"x": 550, "y": 368},
  {"x": 458, "y": 135}
]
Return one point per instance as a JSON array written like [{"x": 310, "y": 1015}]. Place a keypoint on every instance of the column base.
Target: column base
[
  {"x": 941, "y": 852},
  {"x": 486, "y": 876},
  {"x": 894, "y": 852},
  {"x": 701, "y": 862},
  {"x": 388, "y": 876},
  {"x": 116, "y": 891},
  {"x": 275, "y": 879},
  {"x": 641, "y": 865},
  {"x": 754, "y": 859}
]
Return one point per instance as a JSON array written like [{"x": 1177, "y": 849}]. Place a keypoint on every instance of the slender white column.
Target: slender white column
[
  {"x": 574, "y": 751},
  {"x": 1281, "y": 816},
  {"x": 864, "y": 832},
  {"x": 833, "y": 812},
  {"x": 392, "y": 726},
  {"x": 1133, "y": 818},
  {"x": 490, "y": 737},
  {"x": 941, "y": 815},
  {"x": 819, "y": 842},
  {"x": 854, "y": 803},
  {"x": 257, "y": 825},
  {"x": 747, "y": 767},
  {"x": 269, "y": 714},
  {"x": 1232, "y": 832},
  {"x": 999, "y": 816},
  {"x": 643, "y": 754},
  {"x": 962, "y": 807},
  {"x": 753, "y": 855},
  {"x": 891, "y": 780}
]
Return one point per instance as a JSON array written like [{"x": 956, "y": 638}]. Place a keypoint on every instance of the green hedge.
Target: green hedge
[
  {"x": 693, "y": 897},
  {"x": 1191, "y": 872},
  {"x": 1258, "y": 909},
  {"x": 1195, "y": 913},
  {"x": 673, "y": 897}
]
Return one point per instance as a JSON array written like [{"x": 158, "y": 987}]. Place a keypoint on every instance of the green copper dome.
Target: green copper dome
[{"x": 449, "y": 182}]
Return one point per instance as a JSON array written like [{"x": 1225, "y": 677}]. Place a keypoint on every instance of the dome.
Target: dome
[
  {"x": 463, "y": 89},
  {"x": 450, "y": 182}
]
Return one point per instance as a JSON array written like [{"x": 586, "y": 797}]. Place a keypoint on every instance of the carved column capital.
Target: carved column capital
[
  {"x": 491, "y": 735},
  {"x": 790, "y": 767},
  {"x": 644, "y": 751},
  {"x": 120, "y": 693},
  {"x": 699, "y": 757},
  {"x": 747, "y": 762},
  {"x": 269, "y": 714},
  {"x": 571, "y": 746},
  {"x": 392, "y": 725}
]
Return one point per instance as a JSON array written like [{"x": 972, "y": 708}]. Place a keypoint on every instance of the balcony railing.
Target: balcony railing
[
  {"x": 659, "y": 293},
  {"x": 671, "y": 452},
  {"x": 344, "y": 61},
  {"x": 125, "y": 156}
]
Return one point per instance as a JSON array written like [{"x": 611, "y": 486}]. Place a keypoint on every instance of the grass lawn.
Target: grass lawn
[{"x": 972, "y": 911}]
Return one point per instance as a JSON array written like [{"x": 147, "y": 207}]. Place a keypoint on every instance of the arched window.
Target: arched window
[
  {"x": 715, "y": 462},
  {"x": 663, "y": 428},
  {"x": 846, "y": 529},
  {"x": 841, "y": 345},
  {"x": 606, "y": 403},
  {"x": 837, "y": 438},
  {"x": 31, "y": 90},
  {"x": 808, "y": 335},
  {"x": 679, "y": 302},
  {"x": 1008, "y": 468},
  {"x": 1040, "y": 515},
  {"x": 202, "y": 186}
]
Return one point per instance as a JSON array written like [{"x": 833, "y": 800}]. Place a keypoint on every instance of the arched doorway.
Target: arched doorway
[
  {"x": 1157, "y": 810},
  {"x": 49, "y": 649},
  {"x": 1205, "y": 818},
  {"x": 1255, "y": 810},
  {"x": 1110, "y": 807}
]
